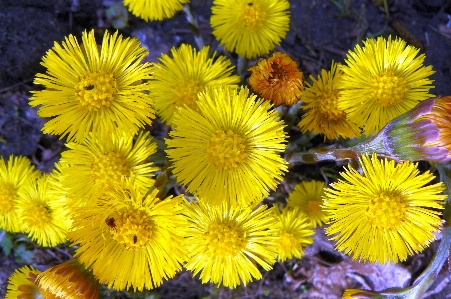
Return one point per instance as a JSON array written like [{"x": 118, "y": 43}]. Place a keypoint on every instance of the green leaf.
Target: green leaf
[
  {"x": 6, "y": 243},
  {"x": 23, "y": 255}
]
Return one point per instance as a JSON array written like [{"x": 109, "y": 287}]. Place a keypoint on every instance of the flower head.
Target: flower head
[
  {"x": 154, "y": 10},
  {"x": 21, "y": 284},
  {"x": 423, "y": 133},
  {"x": 69, "y": 280},
  {"x": 42, "y": 215},
  {"x": 382, "y": 80},
  {"x": 92, "y": 88},
  {"x": 320, "y": 102},
  {"x": 14, "y": 174},
  {"x": 230, "y": 148},
  {"x": 102, "y": 160},
  {"x": 277, "y": 79},
  {"x": 250, "y": 27},
  {"x": 179, "y": 79},
  {"x": 226, "y": 243},
  {"x": 307, "y": 196},
  {"x": 294, "y": 234},
  {"x": 385, "y": 214},
  {"x": 129, "y": 237}
]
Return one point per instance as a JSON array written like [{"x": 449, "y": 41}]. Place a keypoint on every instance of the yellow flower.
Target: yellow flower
[
  {"x": 94, "y": 88},
  {"x": 385, "y": 214},
  {"x": 42, "y": 216},
  {"x": 101, "y": 160},
  {"x": 381, "y": 81},
  {"x": 320, "y": 102},
  {"x": 230, "y": 148},
  {"x": 69, "y": 280},
  {"x": 179, "y": 79},
  {"x": 294, "y": 234},
  {"x": 130, "y": 238},
  {"x": 14, "y": 173},
  {"x": 154, "y": 10},
  {"x": 307, "y": 196},
  {"x": 21, "y": 284},
  {"x": 226, "y": 243},
  {"x": 250, "y": 28},
  {"x": 277, "y": 79}
]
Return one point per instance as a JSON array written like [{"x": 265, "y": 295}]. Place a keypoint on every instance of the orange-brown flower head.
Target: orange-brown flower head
[
  {"x": 70, "y": 280},
  {"x": 277, "y": 79}
]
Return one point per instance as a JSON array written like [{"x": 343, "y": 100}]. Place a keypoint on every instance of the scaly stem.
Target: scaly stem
[{"x": 193, "y": 25}]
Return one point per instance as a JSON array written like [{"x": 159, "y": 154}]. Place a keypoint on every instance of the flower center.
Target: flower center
[
  {"x": 96, "y": 90},
  {"x": 313, "y": 207},
  {"x": 251, "y": 16},
  {"x": 225, "y": 239},
  {"x": 37, "y": 215},
  {"x": 108, "y": 168},
  {"x": 389, "y": 89},
  {"x": 287, "y": 241},
  {"x": 328, "y": 106},
  {"x": 187, "y": 94},
  {"x": 131, "y": 228},
  {"x": 7, "y": 198},
  {"x": 226, "y": 150},
  {"x": 278, "y": 73},
  {"x": 386, "y": 210}
]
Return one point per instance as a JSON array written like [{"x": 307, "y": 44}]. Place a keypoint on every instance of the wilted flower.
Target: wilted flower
[
  {"x": 385, "y": 214},
  {"x": 179, "y": 79},
  {"x": 307, "y": 196},
  {"x": 277, "y": 79},
  {"x": 154, "y": 10},
  {"x": 226, "y": 243},
  {"x": 94, "y": 88},
  {"x": 230, "y": 148},
  {"x": 129, "y": 237},
  {"x": 250, "y": 27},
  {"x": 14, "y": 173},
  {"x": 294, "y": 234},
  {"x": 382, "y": 80},
  {"x": 320, "y": 102}
]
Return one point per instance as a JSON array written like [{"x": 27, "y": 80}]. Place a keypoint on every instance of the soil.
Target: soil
[{"x": 320, "y": 32}]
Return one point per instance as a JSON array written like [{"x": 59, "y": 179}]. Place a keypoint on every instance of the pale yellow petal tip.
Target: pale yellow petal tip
[
  {"x": 386, "y": 214},
  {"x": 227, "y": 243},
  {"x": 227, "y": 150},
  {"x": 154, "y": 10},
  {"x": 250, "y": 28},
  {"x": 382, "y": 80}
]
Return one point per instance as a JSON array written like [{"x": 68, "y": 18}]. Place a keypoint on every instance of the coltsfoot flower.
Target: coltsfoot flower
[
  {"x": 100, "y": 161},
  {"x": 129, "y": 237},
  {"x": 382, "y": 80},
  {"x": 14, "y": 174},
  {"x": 93, "y": 88},
  {"x": 294, "y": 234},
  {"x": 385, "y": 214},
  {"x": 307, "y": 196},
  {"x": 226, "y": 243},
  {"x": 154, "y": 10},
  {"x": 22, "y": 284},
  {"x": 230, "y": 148},
  {"x": 277, "y": 79},
  {"x": 179, "y": 79},
  {"x": 69, "y": 280},
  {"x": 320, "y": 102},
  {"x": 42, "y": 215},
  {"x": 250, "y": 28}
]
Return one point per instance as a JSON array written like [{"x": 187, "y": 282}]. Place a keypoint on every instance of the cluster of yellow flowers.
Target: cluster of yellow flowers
[{"x": 224, "y": 148}]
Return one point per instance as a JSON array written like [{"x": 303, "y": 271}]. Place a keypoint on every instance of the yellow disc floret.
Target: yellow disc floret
[
  {"x": 225, "y": 239},
  {"x": 226, "y": 150},
  {"x": 329, "y": 106},
  {"x": 251, "y": 16},
  {"x": 37, "y": 215},
  {"x": 96, "y": 89},
  {"x": 387, "y": 210},
  {"x": 186, "y": 93},
  {"x": 389, "y": 89},
  {"x": 7, "y": 198},
  {"x": 108, "y": 168},
  {"x": 131, "y": 228}
]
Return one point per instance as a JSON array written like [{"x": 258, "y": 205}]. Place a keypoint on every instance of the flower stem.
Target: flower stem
[{"x": 193, "y": 25}]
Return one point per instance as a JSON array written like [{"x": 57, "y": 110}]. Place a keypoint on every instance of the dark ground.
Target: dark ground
[{"x": 320, "y": 32}]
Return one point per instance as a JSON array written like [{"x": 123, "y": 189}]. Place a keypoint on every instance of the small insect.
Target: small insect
[
  {"x": 135, "y": 239},
  {"x": 110, "y": 222},
  {"x": 89, "y": 87},
  {"x": 250, "y": 4}
]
